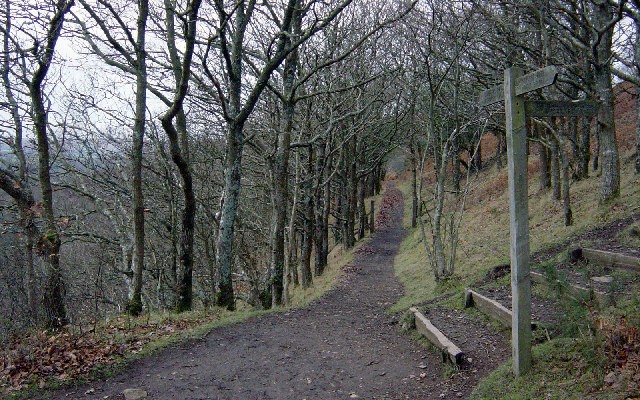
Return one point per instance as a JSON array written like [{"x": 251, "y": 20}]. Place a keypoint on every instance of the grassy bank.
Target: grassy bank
[
  {"x": 484, "y": 232},
  {"x": 577, "y": 363}
]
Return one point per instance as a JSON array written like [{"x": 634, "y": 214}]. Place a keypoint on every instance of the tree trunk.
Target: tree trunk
[
  {"x": 476, "y": 159},
  {"x": 610, "y": 180},
  {"x": 48, "y": 244},
  {"x": 321, "y": 257},
  {"x": 372, "y": 218},
  {"x": 281, "y": 174},
  {"x": 438, "y": 244},
  {"x": 362, "y": 215},
  {"x": 499, "y": 141},
  {"x": 555, "y": 168},
  {"x": 308, "y": 215},
  {"x": 279, "y": 206},
  {"x": 568, "y": 214},
  {"x": 134, "y": 304},
  {"x": 414, "y": 185},
  {"x": 31, "y": 281},
  {"x": 231, "y": 38},
  {"x": 179, "y": 145},
  {"x": 638, "y": 118},
  {"x": 574, "y": 139},
  {"x": 228, "y": 212},
  {"x": 175, "y": 236},
  {"x": 455, "y": 164},
  {"x": 210, "y": 259},
  {"x": 291, "y": 261},
  {"x": 348, "y": 240},
  {"x": 545, "y": 167},
  {"x": 326, "y": 212},
  {"x": 352, "y": 196},
  {"x": 233, "y": 160},
  {"x": 293, "y": 258},
  {"x": 584, "y": 146},
  {"x": 184, "y": 289}
]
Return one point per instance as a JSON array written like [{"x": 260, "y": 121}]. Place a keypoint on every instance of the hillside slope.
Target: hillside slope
[{"x": 484, "y": 244}]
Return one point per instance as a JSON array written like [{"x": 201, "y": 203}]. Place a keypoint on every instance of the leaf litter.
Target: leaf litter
[{"x": 71, "y": 353}]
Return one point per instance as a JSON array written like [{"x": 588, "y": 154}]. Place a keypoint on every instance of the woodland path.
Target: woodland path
[{"x": 339, "y": 347}]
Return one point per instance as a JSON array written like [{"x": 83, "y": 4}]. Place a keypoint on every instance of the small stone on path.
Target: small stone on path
[
  {"x": 602, "y": 279},
  {"x": 134, "y": 394}
]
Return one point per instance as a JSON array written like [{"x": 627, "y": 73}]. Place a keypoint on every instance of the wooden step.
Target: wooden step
[
  {"x": 612, "y": 260},
  {"x": 450, "y": 352},
  {"x": 490, "y": 307}
]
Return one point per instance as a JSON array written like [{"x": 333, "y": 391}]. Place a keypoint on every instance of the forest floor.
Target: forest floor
[{"x": 345, "y": 345}]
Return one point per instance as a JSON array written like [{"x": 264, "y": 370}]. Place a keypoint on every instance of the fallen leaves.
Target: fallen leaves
[
  {"x": 366, "y": 250},
  {"x": 70, "y": 354},
  {"x": 622, "y": 347},
  {"x": 61, "y": 356},
  {"x": 390, "y": 201}
]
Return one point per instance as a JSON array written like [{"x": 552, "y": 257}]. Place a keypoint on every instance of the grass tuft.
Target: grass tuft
[{"x": 564, "y": 368}]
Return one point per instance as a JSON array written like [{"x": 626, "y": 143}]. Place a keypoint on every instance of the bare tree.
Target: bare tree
[
  {"x": 131, "y": 60},
  {"x": 234, "y": 23},
  {"x": 179, "y": 143},
  {"x": 630, "y": 66},
  {"x": 444, "y": 116},
  {"x": 40, "y": 57},
  {"x": 597, "y": 20}
]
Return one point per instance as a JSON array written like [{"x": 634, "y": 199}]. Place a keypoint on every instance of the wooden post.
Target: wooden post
[
  {"x": 372, "y": 214},
  {"x": 519, "y": 219},
  {"x": 516, "y": 112}
]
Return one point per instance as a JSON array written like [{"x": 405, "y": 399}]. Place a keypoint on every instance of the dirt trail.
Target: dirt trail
[{"x": 339, "y": 347}]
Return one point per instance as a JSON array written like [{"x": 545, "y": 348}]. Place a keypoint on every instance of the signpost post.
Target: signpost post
[{"x": 516, "y": 111}]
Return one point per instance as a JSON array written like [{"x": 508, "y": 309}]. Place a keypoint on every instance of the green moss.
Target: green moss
[{"x": 134, "y": 305}]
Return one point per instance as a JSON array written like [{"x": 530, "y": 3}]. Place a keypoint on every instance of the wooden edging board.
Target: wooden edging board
[
  {"x": 450, "y": 352},
  {"x": 488, "y": 306},
  {"x": 597, "y": 295},
  {"x": 613, "y": 260}
]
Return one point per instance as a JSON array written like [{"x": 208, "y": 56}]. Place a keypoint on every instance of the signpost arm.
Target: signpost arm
[{"x": 519, "y": 219}]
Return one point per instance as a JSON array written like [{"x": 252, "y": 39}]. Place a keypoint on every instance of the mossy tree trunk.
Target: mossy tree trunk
[
  {"x": 49, "y": 243},
  {"x": 134, "y": 304},
  {"x": 179, "y": 146}
]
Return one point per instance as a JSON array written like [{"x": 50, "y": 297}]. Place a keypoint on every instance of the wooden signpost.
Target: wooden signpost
[{"x": 516, "y": 110}]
